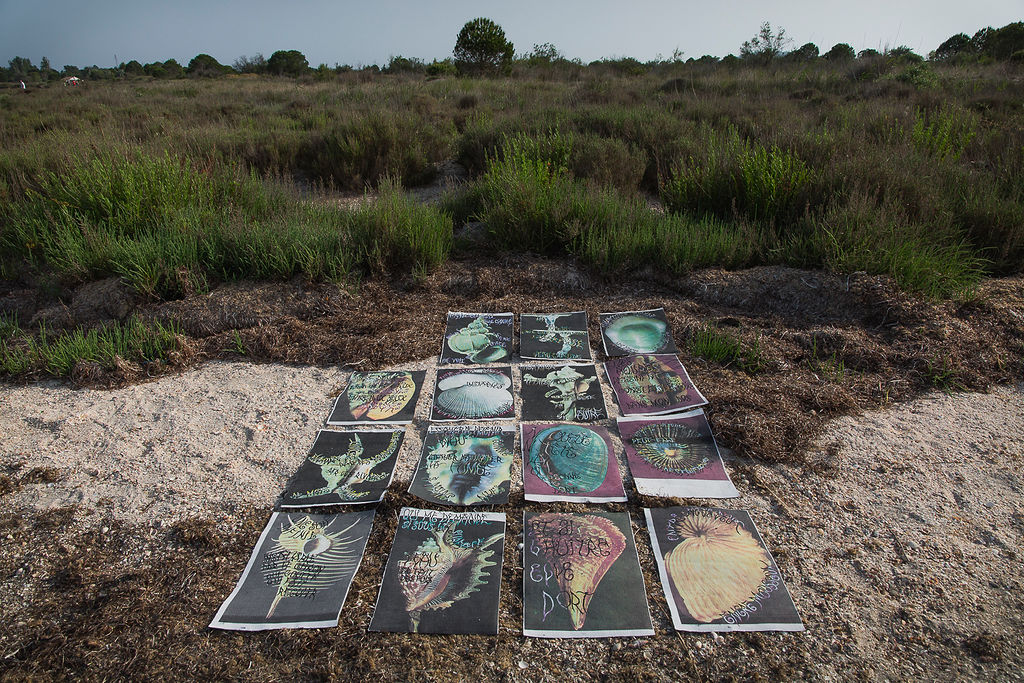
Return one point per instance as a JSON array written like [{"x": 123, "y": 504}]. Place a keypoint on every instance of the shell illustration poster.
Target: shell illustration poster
[
  {"x": 473, "y": 394},
  {"x": 299, "y": 573},
  {"x": 675, "y": 456},
  {"x": 570, "y": 462},
  {"x": 473, "y": 338},
  {"x": 581, "y": 577},
  {"x": 564, "y": 393},
  {"x": 443, "y": 574},
  {"x": 652, "y": 385},
  {"x": 344, "y": 468},
  {"x": 554, "y": 336},
  {"x": 717, "y": 573},
  {"x": 378, "y": 398},
  {"x": 632, "y": 332},
  {"x": 465, "y": 465}
]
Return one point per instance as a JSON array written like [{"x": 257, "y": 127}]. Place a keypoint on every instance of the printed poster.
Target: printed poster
[
  {"x": 344, "y": 468},
  {"x": 717, "y": 573},
  {"x": 570, "y": 462},
  {"x": 473, "y": 338},
  {"x": 675, "y": 456},
  {"x": 554, "y": 336},
  {"x": 652, "y": 385},
  {"x": 387, "y": 397},
  {"x": 581, "y": 577},
  {"x": 299, "y": 573},
  {"x": 473, "y": 394},
  {"x": 465, "y": 465},
  {"x": 564, "y": 393},
  {"x": 443, "y": 574},
  {"x": 633, "y": 332}
]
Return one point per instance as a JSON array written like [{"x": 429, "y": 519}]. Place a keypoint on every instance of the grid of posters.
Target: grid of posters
[
  {"x": 465, "y": 465},
  {"x": 571, "y": 463},
  {"x": 473, "y": 394},
  {"x": 443, "y": 574},
  {"x": 675, "y": 456},
  {"x": 564, "y": 393},
  {"x": 344, "y": 468},
  {"x": 473, "y": 338},
  {"x": 299, "y": 573},
  {"x": 378, "y": 398},
  {"x": 652, "y": 385},
  {"x": 581, "y": 577},
  {"x": 554, "y": 336},
  {"x": 633, "y": 332},
  {"x": 717, "y": 573}
]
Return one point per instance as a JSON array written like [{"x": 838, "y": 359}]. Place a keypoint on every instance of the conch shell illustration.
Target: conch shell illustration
[
  {"x": 439, "y": 572},
  {"x": 717, "y": 567},
  {"x": 477, "y": 342},
  {"x": 379, "y": 395},
  {"x": 581, "y": 549}
]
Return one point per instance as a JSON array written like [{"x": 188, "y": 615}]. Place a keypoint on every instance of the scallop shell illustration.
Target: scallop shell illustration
[
  {"x": 569, "y": 458},
  {"x": 717, "y": 567},
  {"x": 581, "y": 549},
  {"x": 379, "y": 395},
  {"x": 474, "y": 395},
  {"x": 672, "y": 447},
  {"x": 637, "y": 334}
]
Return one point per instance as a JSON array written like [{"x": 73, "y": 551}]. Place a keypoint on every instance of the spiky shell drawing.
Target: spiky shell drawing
[
  {"x": 569, "y": 458},
  {"x": 588, "y": 544},
  {"x": 474, "y": 395},
  {"x": 648, "y": 379},
  {"x": 470, "y": 471},
  {"x": 637, "y": 333},
  {"x": 672, "y": 447},
  {"x": 478, "y": 342},
  {"x": 342, "y": 472},
  {"x": 379, "y": 395},
  {"x": 717, "y": 567},
  {"x": 566, "y": 386},
  {"x": 439, "y": 572}
]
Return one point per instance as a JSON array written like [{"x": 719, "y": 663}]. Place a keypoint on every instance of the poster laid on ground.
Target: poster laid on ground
[
  {"x": 465, "y": 465},
  {"x": 581, "y": 577},
  {"x": 652, "y": 385},
  {"x": 554, "y": 336},
  {"x": 344, "y": 468},
  {"x": 477, "y": 338},
  {"x": 717, "y": 573},
  {"x": 299, "y": 573},
  {"x": 632, "y": 332},
  {"x": 443, "y": 574},
  {"x": 473, "y": 394},
  {"x": 675, "y": 456},
  {"x": 378, "y": 398},
  {"x": 570, "y": 462},
  {"x": 566, "y": 393}
]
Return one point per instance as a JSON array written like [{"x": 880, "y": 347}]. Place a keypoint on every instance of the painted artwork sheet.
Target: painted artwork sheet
[
  {"x": 652, "y": 385},
  {"x": 581, "y": 577},
  {"x": 443, "y": 574},
  {"x": 378, "y": 398},
  {"x": 570, "y": 462},
  {"x": 473, "y": 394},
  {"x": 566, "y": 393},
  {"x": 344, "y": 468},
  {"x": 299, "y": 573},
  {"x": 474, "y": 338},
  {"x": 465, "y": 465},
  {"x": 636, "y": 332},
  {"x": 554, "y": 336},
  {"x": 675, "y": 456},
  {"x": 717, "y": 573}
]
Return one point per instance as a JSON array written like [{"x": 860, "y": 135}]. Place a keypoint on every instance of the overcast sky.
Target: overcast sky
[{"x": 106, "y": 32}]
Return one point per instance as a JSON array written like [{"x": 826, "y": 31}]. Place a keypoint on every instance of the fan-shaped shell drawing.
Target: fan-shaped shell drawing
[
  {"x": 717, "y": 567},
  {"x": 569, "y": 458},
  {"x": 459, "y": 379},
  {"x": 474, "y": 395},
  {"x": 379, "y": 395},
  {"x": 673, "y": 447},
  {"x": 637, "y": 334}
]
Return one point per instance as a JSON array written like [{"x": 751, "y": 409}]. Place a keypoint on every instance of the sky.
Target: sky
[{"x": 107, "y": 32}]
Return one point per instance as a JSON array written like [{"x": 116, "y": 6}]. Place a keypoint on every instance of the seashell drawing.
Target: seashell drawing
[
  {"x": 474, "y": 395},
  {"x": 673, "y": 447},
  {"x": 379, "y": 395},
  {"x": 717, "y": 567},
  {"x": 648, "y": 380},
  {"x": 580, "y": 549},
  {"x": 477, "y": 465},
  {"x": 478, "y": 342},
  {"x": 458, "y": 379},
  {"x": 637, "y": 334},
  {"x": 569, "y": 458}
]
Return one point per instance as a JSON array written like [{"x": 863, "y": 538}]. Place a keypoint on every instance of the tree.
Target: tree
[
  {"x": 766, "y": 45},
  {"x": 868, "y": 53},
  {"x": 133, "y": 68},
  {"x": 256, "y": 64},
  {"x": 173, "y": 69},
  {"x": 952, "y": 47},
  {"x": 205, "y": 66},
  {"x": 287, "y": 63},
  {"x": 805, "y": 53},
  {"x": 840, "y": 52},
  {"x": 481, "y": 47}
]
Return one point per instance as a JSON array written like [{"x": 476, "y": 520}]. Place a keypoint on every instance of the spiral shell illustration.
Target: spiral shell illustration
[
  {"x": 673, "y": 447},
  {"x": 581, "y": 549},
  {"x": 569, "y": 458},
  {"x": 717, "y": 567},
  {"x": 478, "y": 342},
  {"x": 379, "y": 395},
  {"x": 474, "y": 395},
  {"x": 637, "y": 334}
]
